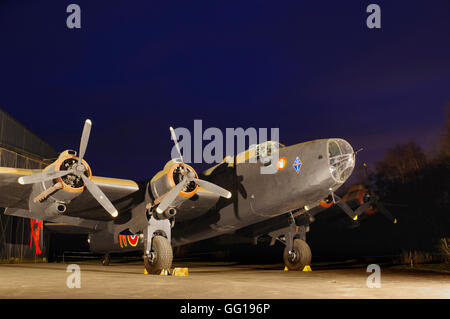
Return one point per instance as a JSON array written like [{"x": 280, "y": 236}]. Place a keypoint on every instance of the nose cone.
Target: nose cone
[{"x": 341, "y": 159}]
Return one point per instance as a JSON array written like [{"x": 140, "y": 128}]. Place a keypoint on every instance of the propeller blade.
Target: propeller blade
[
  {"x": 213, "y": 188},
  {"x": 99, "y": 196},
  {"x": 42, "y": 177},
  {"x": 344, "y": 206},
  {"x": 363, "y": 207},
  {"x": 385, "y": 212},
  {"x": 170, "y": 197},
  {"x": 175, "y": 140},
  {"x": 84, "y": 139}
]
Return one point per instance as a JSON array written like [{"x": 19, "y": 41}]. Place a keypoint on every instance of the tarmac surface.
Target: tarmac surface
[{"x": 48, "y": 280}]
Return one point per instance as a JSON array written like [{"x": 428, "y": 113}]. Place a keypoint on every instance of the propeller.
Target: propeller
[
  {"x": 42, "y": 177},
  {"x": 78, "y": 170},
  {"x": 84, "y": 140},
  {"x": 175, "y": 140},
  {"x": 344, "y": 206},
  {"x": 188, "y": 177},
  {"x": 364, "y": 206},
  {"x": 376, "y": 201},
  {"x": 385, "y": 212}
]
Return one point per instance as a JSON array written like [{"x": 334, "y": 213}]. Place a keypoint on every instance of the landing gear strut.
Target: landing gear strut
[
  {"x": 158, "y": 254},
  {"x": 297, "y": 253}
]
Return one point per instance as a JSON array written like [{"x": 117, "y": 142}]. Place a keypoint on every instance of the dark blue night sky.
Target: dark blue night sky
[{"x": 311, "y": 68}]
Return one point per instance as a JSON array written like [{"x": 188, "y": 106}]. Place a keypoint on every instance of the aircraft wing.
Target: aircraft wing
[
  {"x": 61, "y": 223},
  {"x": 122, "y": 193},
  {"x": 197, "y": 205},
  {"x": 12, "y": 194}
]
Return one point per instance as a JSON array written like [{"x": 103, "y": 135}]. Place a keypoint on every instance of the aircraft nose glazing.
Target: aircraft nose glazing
[{"x": 341, "y": 159}]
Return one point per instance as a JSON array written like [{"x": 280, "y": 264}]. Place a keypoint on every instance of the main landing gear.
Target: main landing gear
[
  {"x": 160, "y": 256},
  {"x": 297, "y": 253},
  {"x": 158, "y": 253},
  {"x": 299, "y": 256}
]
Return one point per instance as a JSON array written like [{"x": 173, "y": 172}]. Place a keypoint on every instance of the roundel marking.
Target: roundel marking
[
  {"x": 123, "y": 241},
  {"x": 133, "y": 240}
]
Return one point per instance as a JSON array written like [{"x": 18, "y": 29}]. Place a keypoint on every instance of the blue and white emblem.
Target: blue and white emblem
[{"x": 297, "y": 164}]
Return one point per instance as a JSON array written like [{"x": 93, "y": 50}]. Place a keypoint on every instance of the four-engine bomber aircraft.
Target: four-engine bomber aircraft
[{"x": 233, "y": 196}]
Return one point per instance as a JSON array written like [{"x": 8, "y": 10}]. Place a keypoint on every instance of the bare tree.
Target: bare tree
[
  {"x": 401, "y": 160},
  {"x": 444, "y": 142}
]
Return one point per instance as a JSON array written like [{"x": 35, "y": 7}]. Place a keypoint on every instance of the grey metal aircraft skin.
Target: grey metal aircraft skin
[{"x": 178, "y": 207}]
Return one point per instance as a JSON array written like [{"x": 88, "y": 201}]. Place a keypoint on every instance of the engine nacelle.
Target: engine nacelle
[
  {"x": 54, "y": 210},
  {"x": 168, "y": 178},
  {"x": 52, "y": 195}
]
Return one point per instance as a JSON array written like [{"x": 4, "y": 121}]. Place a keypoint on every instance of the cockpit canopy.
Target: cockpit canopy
[{"x": 258, "y": 151}]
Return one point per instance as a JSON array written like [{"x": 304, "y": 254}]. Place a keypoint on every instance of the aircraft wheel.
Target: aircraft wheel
[
  {"x": 106, "y": 260},
  {"x": 299, "y": 257},
  {"x": 161, "y": 258}
]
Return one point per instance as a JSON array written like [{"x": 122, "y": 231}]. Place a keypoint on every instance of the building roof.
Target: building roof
[{"x": 16, "y": 137}]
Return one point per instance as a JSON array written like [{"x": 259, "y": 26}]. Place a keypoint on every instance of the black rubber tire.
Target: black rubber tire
[
  {"x": 164, "y": 256},
  {"x": 106, "y": 260},
  {"x": 303, "y": 255}
]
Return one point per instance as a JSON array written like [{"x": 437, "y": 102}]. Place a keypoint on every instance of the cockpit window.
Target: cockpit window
[{"x": 333, "y": 149}]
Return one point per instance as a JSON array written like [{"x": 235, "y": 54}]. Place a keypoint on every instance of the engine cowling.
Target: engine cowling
[
  {"x": 71, "y": 183},
  {"x": 168, "y": 178}
]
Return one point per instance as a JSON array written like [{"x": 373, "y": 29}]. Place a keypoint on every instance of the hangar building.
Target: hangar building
[{"x": 21, "y": 238}]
